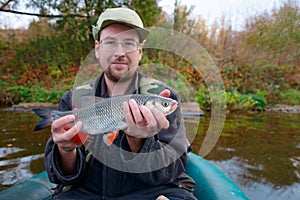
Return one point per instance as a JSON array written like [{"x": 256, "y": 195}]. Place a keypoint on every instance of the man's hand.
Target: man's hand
[
  {"x": 62, "y": 133},
  {"x": 143, "y": 122}
]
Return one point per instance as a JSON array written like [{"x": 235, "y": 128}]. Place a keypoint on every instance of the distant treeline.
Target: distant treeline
[{"x": 259, "y": 65}]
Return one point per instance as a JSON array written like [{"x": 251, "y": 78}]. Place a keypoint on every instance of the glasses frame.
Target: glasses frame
[{"x": 118, "y": 43}]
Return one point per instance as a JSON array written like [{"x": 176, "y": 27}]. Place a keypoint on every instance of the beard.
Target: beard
[{"x": 117, "y": 78}]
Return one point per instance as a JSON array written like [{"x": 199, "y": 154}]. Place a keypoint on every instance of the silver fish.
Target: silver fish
[{"x": 106, "y": 115}]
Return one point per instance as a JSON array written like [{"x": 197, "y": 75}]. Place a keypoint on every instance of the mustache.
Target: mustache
[{"x": 119, "y": 61}]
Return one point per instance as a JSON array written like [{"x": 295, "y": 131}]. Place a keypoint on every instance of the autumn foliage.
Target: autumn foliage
[{"x": 260, "y": 61}]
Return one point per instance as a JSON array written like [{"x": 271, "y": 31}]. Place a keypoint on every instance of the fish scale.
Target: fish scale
[
  {"x": 106, "y": 115},
  {"x": 111, "y": 112}
]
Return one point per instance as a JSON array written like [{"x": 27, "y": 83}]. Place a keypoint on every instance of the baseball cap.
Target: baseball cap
[{"x": 120, "y": 15}]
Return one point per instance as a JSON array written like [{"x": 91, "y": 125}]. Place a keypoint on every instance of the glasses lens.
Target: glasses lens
[
  {"x": 109, "y": 44},
  {"x": 112, "y": 44},
  {"x": 130, "y": 45}
]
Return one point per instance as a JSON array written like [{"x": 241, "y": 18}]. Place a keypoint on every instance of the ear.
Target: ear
[
  {"x": 97, "y": 45},
  {"x": 140, "y": 52}
]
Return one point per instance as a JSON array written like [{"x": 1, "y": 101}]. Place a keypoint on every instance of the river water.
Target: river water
[{"x": 261, "y": 153}]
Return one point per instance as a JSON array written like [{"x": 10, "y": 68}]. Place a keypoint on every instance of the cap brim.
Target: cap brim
[{"x": 143, "y": 32}]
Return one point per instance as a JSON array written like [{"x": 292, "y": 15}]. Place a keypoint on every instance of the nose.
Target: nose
[{"x": 119, "y": 51}]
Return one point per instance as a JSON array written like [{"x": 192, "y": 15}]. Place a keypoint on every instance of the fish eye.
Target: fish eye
[{"x": 165, "y": 104}]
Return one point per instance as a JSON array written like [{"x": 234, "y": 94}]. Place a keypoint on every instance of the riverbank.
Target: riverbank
[
  {"x": 283, "y": 108},
  {"x": 29, "y": 106}
]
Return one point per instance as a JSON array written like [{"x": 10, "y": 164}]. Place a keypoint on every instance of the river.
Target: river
[{"x": 261, "y": 153}]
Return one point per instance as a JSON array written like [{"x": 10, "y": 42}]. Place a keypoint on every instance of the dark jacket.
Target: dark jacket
[{"x": 110, "y": 171}]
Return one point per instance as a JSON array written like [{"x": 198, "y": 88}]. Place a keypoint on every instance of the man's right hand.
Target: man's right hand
[{"x": 62, "y": 133}]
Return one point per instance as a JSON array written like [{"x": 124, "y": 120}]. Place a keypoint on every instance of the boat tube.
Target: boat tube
[{"x": 211, "y": 184}]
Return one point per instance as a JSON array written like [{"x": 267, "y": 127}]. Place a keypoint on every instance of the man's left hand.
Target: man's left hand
[{"x": 143, "y": 122}]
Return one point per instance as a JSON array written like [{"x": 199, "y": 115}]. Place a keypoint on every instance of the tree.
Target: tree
[
  {"x": 181, "y": 14},
  {"x": 276, "y": 36},
  {"x": 148, "y": 10}
]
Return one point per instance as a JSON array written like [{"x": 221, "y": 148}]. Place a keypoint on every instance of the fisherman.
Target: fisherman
[{"x": 151, "y": 153}]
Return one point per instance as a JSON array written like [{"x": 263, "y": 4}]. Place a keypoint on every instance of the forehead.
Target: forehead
[{"x": 119, "y": 31}]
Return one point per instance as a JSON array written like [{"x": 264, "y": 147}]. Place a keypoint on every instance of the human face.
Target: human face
[{"x": 118, "y": 63}]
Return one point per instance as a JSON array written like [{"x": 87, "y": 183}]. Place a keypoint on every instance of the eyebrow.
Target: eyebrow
[{"x": 109, "y": 37}]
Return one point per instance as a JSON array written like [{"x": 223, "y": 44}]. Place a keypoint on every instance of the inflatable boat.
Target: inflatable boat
[{"x": 211, "y": 184}]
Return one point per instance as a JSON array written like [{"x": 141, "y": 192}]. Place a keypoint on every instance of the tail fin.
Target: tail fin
[{"x": 45, "y": 114}]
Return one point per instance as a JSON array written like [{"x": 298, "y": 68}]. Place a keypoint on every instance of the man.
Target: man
[{"x": 116, "y": 167}]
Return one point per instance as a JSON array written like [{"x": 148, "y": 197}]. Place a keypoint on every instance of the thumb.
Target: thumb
[{"x": 167, "y": 124}]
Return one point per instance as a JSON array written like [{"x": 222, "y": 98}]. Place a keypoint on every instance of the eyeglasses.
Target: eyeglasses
[{"x": 112, "y": 44}]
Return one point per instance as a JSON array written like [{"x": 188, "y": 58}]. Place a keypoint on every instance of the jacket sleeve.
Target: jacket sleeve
[
  {"x": 52, "y": 164},
  {"x": 52, "y": 159}
]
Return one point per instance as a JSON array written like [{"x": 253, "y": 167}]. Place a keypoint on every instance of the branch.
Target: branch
[
  {"x": 5, "y": 4},
  {"x": 42, "y": 15}
]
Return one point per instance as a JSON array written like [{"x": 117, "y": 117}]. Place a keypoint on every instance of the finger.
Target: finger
[
  {"x": 162, "y": 122},
  {"x": 147, "y": 114},
  {"x": 59, "y": 123},
  {"x": 165, "y": 93},
  {"x": 166, "y": 126},
  {"x": 68, "y": 135},
  {"x": 136, "y": 113},
  {"x": 127, "y": 114}
]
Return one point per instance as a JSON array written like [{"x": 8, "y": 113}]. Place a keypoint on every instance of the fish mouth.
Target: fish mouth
[{"x": 173, "y": 106}]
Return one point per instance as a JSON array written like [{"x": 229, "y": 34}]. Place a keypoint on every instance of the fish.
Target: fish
[{"x": 106, "y": 115}]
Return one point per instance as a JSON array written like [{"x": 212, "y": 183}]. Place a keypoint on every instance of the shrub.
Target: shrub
[{"x": 290, "y": 97}]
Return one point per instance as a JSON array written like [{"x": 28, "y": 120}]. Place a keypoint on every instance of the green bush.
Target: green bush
[
  {"x": 235, "y": 101},
  {"x": 203, "y": 98},
  {"x": 35, "y": 93},
  {"x": 290, "y": 97},
  {"x": 243, "y": 102}
]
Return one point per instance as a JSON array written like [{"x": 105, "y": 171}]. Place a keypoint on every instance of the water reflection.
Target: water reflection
[
  {"x": 21, "y": 150},
  {"x": 16, "y": 170},
  {"x": 261, "y": 153}
]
